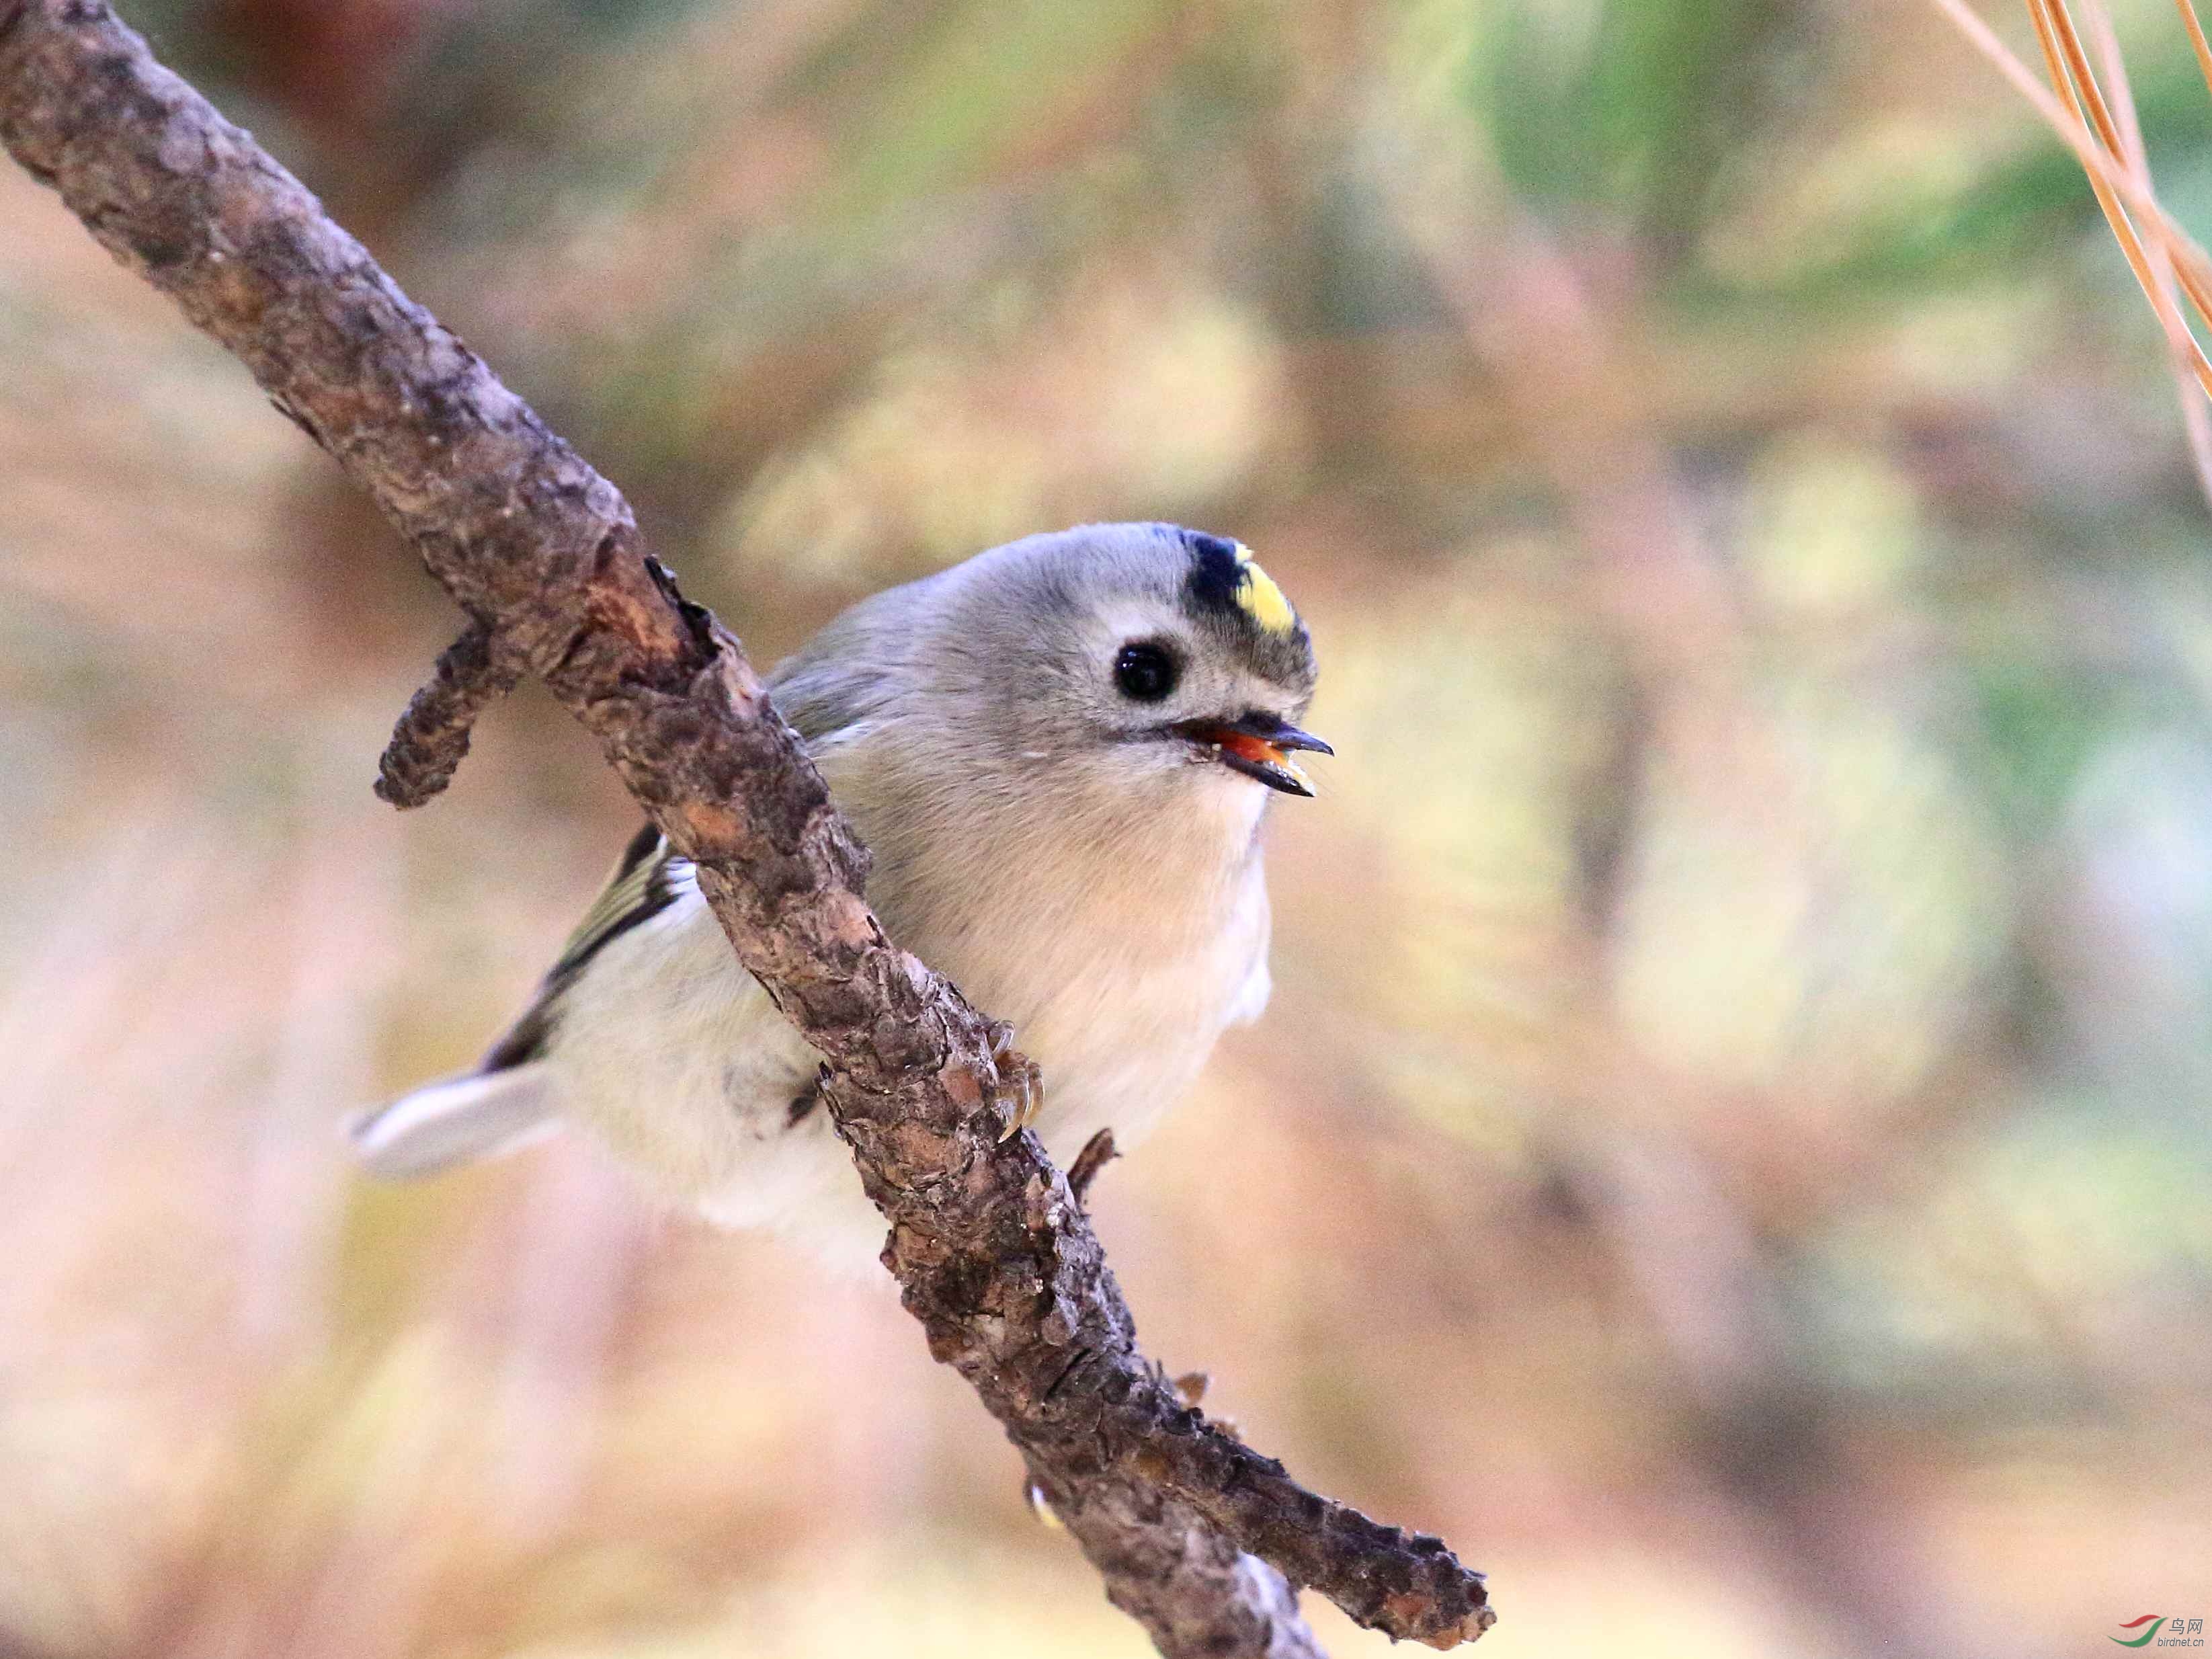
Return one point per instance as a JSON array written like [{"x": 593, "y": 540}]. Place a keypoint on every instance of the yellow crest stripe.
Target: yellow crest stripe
[{"x": 1262, "y": 599}]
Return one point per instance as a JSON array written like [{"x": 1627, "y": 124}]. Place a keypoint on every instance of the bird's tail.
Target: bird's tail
[{"x": 462, "y": 1119}]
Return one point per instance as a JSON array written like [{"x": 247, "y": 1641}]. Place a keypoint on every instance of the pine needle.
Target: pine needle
[{"x": 2107, "y": 138}]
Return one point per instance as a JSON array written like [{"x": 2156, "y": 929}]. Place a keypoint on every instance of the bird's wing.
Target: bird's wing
[
  {"x": 823, "y": 704},
  {"x": 650, "y": 876},
  {"x": 505, "y": 1103},
  {"x": 647, "y": 879}
]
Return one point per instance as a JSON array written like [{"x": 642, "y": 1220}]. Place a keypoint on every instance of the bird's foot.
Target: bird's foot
[{"x": 1019, "y": 1091}]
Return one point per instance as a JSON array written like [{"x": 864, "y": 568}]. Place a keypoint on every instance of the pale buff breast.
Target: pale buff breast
[
  {"x": 1118, "y": 956},
  {"x": 1119, "y": 961}
]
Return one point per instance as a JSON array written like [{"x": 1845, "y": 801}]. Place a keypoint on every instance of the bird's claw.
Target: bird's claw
[{"x": 1019, "y": 1091}]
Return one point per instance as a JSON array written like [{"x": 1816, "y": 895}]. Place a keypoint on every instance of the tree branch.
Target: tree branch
[
  {"x": 432, "y": 737},
  {"x": 990, "y": 1248}
]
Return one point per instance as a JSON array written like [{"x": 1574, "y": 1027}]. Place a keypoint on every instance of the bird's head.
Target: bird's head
[{"x": 1132, "y": 658}]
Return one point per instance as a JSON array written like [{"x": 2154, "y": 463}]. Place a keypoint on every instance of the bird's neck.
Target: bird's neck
[{"x": 1164, "y": 861}]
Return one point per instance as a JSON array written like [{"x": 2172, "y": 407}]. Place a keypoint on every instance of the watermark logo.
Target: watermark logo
[{"x": 2156, "y": 1630}]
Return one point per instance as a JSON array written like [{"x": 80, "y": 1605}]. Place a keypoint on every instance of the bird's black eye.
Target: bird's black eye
[{"x": 1146, "y": 672}]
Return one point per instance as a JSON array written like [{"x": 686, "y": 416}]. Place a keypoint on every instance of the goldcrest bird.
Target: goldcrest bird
[{"x": 1059, "y": 752}]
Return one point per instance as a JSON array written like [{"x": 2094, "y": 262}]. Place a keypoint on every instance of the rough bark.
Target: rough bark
[
  {"x": 432, "y": 737},
  {"x": 991, "y": 1250}
]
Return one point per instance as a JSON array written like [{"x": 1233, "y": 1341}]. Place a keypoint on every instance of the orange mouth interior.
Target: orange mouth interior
[{"x": 1247, "y": 747}]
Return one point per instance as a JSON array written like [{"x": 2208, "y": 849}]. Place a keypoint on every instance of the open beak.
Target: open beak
[{"x": 1260, "y": 746}]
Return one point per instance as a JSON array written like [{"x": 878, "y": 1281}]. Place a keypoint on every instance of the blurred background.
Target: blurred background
[{"x": 1730, "y": 1149}]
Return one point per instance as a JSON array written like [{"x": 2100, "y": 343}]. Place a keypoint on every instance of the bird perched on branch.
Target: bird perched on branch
[{"x": 1059, "y": 753}]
